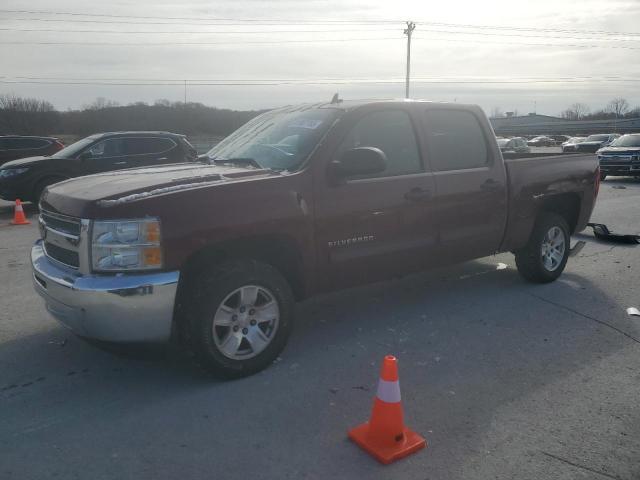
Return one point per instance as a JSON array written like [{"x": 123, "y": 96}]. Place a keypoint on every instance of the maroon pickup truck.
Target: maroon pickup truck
[{"x": 300, "y": 200}]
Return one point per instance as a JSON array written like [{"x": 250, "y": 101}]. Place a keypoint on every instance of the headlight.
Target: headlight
[
  {"x": 11, "y": 172},
  {"x": 118, "y": 245}
]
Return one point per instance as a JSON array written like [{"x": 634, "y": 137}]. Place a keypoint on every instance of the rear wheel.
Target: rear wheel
[
  {"x": 240, "y": 317},
  {"x": 545, "y": 256}
]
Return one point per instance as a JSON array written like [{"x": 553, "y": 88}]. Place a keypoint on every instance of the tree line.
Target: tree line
[
  {"x": 616, "y": 108},
  {"x": 32, "y": 116}
]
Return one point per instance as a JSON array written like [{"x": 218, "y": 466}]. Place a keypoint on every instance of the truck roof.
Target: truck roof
[{"x": 356, "y": 103}]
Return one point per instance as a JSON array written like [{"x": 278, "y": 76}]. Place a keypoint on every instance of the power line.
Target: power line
[
  {"x": 267, "y": 32},
  {"x": 295, "y": 41},
  {"x": 192, "y": 32},
  {"x": 303, "y": 83},
  {"x": 284, "y": 21},
  {"x": 164, "y": 44}
]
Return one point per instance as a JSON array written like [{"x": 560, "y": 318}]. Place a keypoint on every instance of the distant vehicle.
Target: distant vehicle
[
  {"x": 28, "y": 177},
  {"x": 559, "y": 139},
  {"x": 13, "y": 147},
  {"x": 541, "y": 141},
  {"x": 594, "y": 142},
  {"x": 570, "y": 144},
  {"x": 621, "y": 157},
  {"x": 516, "y": 144}
]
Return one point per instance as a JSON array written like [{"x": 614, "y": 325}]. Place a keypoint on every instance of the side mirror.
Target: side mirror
[
  {"x": 86, "y": 155},
  {"x": 359, "y": 161}
]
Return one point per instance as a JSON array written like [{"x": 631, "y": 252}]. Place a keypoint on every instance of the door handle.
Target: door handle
[
  {"x": 417, "y": 194},
  {"x": 120, "y": 163},
  {"x": 161, "y": 159}
]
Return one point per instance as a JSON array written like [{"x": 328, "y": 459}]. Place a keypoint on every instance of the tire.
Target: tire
[
  {"x": 602, "y": 176},
  {"x": 222, "y": 297},
  {"x": 532, "y": 264},
  {"x": 41, "y": 185}
]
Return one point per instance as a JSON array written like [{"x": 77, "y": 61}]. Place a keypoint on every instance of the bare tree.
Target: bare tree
[
  {"x": 618, "y": 106},
  {"x": 576, "y": 111},
  {"x": 22, "y": 115},
  {"x": 100, "y": 103}
]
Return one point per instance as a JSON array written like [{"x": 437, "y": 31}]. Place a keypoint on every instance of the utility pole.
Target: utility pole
[
  {"x": 408, "y": 31},
  {"x": 185, "y": 93}
]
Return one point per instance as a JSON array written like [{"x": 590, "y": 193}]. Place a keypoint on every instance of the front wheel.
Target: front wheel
[
  {"x": 545, "y": 256},
  {"x": 240, "y": 316}
]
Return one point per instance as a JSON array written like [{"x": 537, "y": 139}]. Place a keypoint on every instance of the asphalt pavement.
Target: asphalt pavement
[{"x": 505, "y": 379}]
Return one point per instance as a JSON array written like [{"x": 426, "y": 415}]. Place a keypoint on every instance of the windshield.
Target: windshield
[
  {"x": 597, "y": 138},
  {"x": 502, "y": 142},
  {"x": 72, "y": 150},
  {"x": 280, "y": 139},
  {"x": 627, "y": 141}
]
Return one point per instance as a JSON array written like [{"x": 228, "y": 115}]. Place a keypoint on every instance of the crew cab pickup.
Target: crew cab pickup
[{"x": 299, "y": 200}]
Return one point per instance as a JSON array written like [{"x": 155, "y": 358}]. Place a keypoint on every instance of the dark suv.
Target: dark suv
[
  {"x": 13, "y": 147},
  {"x": 103, "y": 152}
]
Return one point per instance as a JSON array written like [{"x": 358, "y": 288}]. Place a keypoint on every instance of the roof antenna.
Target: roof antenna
[{"x": 336, "y": 99}]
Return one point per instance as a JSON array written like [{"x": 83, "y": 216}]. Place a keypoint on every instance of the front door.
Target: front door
[{"x": 375, "y": 226}]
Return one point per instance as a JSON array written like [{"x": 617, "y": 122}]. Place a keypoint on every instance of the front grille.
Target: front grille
[
  {"x": 67, "y": 225},
  {"x": 62, "y": 255},
  {"x": 615, "y": 159},
  {"x": 61, "y": 235}
]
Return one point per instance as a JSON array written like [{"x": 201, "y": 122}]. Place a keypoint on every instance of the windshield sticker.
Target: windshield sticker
[{"x": 309, "y": 123}]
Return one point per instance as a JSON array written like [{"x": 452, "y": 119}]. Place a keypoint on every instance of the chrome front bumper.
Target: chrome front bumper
[{"x": 119, "y": 308}]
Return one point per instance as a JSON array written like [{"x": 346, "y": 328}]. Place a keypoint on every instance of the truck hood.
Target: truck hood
[
  {"x": 132, "y": 185},
  {"x": 619, "y": 150},
  {"x": 23, "y": 162}
]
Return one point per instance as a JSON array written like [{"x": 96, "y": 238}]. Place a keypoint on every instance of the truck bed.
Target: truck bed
[{"x": 534, "y": 181}]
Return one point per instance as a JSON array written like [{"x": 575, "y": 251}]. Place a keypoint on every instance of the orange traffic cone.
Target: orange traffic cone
[
  {"x": 18, "y": 215},
  {"x": 385, "y": 436}
]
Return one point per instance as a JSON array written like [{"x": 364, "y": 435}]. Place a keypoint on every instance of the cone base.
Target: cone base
[
  {"x": 26, "y": 222},
  {"x": 386, "y": 452}
]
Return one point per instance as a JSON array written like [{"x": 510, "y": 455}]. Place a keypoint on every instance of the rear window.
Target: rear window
[
  {"x": 148, "y": 145},
  {"x": 24, "y": 143},
  {"x": 455, "y": 140}
]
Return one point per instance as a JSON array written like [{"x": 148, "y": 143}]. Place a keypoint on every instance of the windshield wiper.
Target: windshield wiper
[{"x": 240, "y": 161}]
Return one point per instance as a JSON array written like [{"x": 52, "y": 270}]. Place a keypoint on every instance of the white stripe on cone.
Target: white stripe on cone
[{"x": 389, "y": 391}]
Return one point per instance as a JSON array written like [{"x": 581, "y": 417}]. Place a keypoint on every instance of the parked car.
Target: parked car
[
  {"x": 27, "y": 178},
  {"x": 621, "y": 157},
  {"x": 300, "y": 200},
  {"x": 541, "y": 141},
  {"x": 13, "y": 147},
  {"x": 594, "y": 142},
  {"x": 570, "y": 145},
  {"x": 516, "y": 144},
  {"x": 558, "y": 139}
]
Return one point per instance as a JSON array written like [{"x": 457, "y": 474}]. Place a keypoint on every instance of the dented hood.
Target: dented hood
[{"x": 125, "y": 186}]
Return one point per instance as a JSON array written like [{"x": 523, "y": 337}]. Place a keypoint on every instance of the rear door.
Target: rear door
[
  {"x": 470, "y": 179},
  {"x": 372, "y": 227},
  {"x": 147, "y": 150}
]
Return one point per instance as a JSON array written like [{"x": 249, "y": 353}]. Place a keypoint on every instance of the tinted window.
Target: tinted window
[
  {"x": 141, "y": 145},
  {"x": 455, "y": 140},
  {"x": 24, "y": 143},
  {"x": 112, "y": 147},
  {"x": 392, "y": 132}
]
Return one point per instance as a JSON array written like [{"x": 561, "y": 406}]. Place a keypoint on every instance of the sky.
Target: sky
[{"x": 513, "y": 55}]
